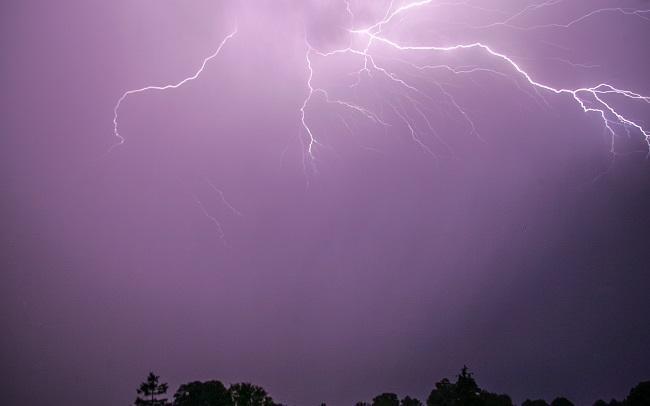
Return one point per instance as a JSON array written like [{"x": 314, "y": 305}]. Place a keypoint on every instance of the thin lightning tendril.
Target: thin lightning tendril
[
  {"x": 128, "y": 93},
  {"x": 217, "y": 224},
  {"x": 223, "y": 199}
]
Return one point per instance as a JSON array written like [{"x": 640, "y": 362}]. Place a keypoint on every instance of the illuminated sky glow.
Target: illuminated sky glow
[{"x": 331, "y": 199}]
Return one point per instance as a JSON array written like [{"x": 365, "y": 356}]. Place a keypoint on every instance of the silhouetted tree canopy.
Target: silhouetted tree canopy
[
  {"x": 247, "y": 394},
  {"x": 612, "y": 402},
  {"x": 561, "y": 402},
  {"x": 152, "y": 391},
  {"x": 211, "y": 393},
  {"x": 465, "y": 392},
  {"x": 639, "y": 395},
  {"x": 409, "y": 401},
  {"x": 385, "y": 399},
  {"x": 493, "y": 399},
  {"x": 444, "y": 394}
]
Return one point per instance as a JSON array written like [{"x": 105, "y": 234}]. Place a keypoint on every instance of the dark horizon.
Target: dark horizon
[
  {"x": 461, "y": 390},
  {"x": 469, "y": 218}
]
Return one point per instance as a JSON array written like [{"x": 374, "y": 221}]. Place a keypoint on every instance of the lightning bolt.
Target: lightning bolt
[
  {"x": 125, "y": 95},
  {"x": 592, "y": 99},
  {"x": 408, "y": 104},
  {"x": 121, "y": 139}
]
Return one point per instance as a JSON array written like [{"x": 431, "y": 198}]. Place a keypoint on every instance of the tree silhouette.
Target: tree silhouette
[
  {"x": 409, "y": 401},
  {"x": 465, "y": 392},
  {"x": 385, "y": 399},
  {"x": 444, "y": 394},
  {"x": 211, "y": 393},
  {"x": 493, "y": 399},
  {"x": 560, "y": 401},
  {"x": 639, "y": 395},
  {"x": 151, "y": 389},
  {"x": 247, "y": 394}
]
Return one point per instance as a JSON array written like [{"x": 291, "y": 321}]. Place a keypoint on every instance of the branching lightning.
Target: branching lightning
[
  {"x": 409, "y": 106},
  {"x": 589, "y": 99}
]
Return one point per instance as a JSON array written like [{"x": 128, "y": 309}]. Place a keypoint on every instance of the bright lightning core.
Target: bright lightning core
[{"x": 408, "y": 103}]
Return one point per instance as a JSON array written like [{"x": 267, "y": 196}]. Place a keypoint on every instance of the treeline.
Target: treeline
[
  {"x": 211, "y": 393},
  {"x": 463, "y": 392}
]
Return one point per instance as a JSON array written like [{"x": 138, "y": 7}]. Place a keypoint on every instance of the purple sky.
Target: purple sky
[{"x": 378, "y": 264}]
